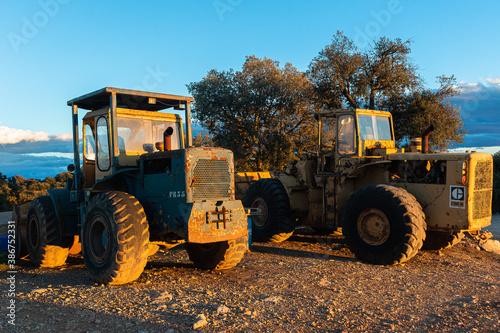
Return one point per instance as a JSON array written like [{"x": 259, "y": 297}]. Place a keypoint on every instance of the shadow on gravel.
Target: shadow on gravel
[
  {"x": 314, "y": 239},
  {"x": 162, "y": 264},
  {"x": 299, "y": 253}
]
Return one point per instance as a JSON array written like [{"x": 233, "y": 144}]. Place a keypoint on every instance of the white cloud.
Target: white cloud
[
  {"x": 64, "y": 137},
  {"x": 493, "y": 81},
  {"x": 13, "y": 135}
]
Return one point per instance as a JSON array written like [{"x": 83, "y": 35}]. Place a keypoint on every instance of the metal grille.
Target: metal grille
[
  {"x": 482, "y": 176},
  {"x": 211, "y": 180},
  {"x": 483, "y": 183},
  {"x": 481, "y": 206}
]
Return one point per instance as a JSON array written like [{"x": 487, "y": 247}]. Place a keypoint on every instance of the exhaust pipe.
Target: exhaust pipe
[
  {"x": 167, "y": 139},
  {"x": 425, "y": 139}
]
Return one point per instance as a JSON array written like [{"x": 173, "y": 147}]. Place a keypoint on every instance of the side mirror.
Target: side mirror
[{"x": 71, "y": 167}]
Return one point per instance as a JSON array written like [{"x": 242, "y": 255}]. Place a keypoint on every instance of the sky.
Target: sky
[{"x": 55, "y": 50}]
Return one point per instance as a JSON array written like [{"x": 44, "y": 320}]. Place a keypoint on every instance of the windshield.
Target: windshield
[
  {"x": 373, "y": 127},
  {"x": 140, "y": 135}
]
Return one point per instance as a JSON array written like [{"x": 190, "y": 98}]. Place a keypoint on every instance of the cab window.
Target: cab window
[
  {"x": 136, "y": 135},
  {"x": 89, "y": 143},
  {"x": 373, "y": 127},
  {"x": 103, "y": 151},
  {"x": 346, "y": 135}
]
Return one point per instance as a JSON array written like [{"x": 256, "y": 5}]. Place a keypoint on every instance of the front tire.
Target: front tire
[
  {"x": 46, "y": 246},
  {"x": 274, "y": 223},
  {"x": 218, "y": 255},
  {"x": 383, "y": 224},
  {"x": 115, "y": 238}
]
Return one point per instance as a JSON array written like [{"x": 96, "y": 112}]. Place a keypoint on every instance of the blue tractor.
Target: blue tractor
[{"x": 139, "y": 185}]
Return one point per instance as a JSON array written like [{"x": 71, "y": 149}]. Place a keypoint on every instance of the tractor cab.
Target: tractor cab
[
  {"x": 122, "y": 125},
  {"x": 350, "y": 136}
]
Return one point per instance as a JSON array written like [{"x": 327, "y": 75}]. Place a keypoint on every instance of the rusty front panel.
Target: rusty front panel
[
  {"x": 209, "y": 174},
  {"x": 209, "y": 222},
  {"x": 243, "y": 180},
  {"x": 480, "y": 190}
]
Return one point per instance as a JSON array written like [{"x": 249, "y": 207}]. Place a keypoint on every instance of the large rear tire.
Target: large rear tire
[
  {"x": 115, "y": 238},
  {"x": 273, "y": 223},
  {"x": 438, "y": 241},
  {"x": 218, "y": 255},
  {"x": 46, "y": 246},
  {"x": 383, "y": 224}
]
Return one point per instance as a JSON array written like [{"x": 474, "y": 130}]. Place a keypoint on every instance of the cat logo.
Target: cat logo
[{"x": 457, "y": 197}]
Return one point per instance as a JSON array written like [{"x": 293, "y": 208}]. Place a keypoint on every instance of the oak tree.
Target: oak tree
[
  {"x": 262, "y": 113},
  {"x": 345, "y": 76}
]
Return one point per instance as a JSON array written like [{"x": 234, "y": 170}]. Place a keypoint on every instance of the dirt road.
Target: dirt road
[{"x": 308, "y": 284}]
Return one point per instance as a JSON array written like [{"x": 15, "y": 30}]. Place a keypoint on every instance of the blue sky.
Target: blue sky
[{"x": 55, "y": 50}]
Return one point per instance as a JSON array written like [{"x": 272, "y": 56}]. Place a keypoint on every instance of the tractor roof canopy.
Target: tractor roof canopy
[{"x": 131, "y": 99}]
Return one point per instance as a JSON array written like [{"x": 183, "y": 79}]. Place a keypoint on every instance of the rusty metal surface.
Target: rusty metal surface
[
  {"x": 192, "y": 156},
  {"x": 210, "y": 222},
  {"x": 194, "y": 198}
]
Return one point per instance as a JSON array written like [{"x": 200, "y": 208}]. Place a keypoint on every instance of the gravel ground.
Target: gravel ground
[{"x": 308, "y": 284}]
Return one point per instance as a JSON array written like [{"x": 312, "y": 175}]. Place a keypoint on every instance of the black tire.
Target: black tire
[
  {"x": 21, "y": 247},
  {"x": 274, "y": 223},
  {"x": 437, "y": 241},
  {"x": 115, "y": 238},
  {"x": 45, "y": 245},
  {"x": 383, "y": 224},
  {"x": 219, "y": 255}
]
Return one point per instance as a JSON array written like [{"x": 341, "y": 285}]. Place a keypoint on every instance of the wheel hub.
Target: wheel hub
[
  {"x": 261, "y": 219},
  {"x": 99, "y": 241},
  {"x": 374, "y": 227}
]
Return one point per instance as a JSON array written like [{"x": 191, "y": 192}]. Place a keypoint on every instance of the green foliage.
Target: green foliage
[
  {"x": 262, "y": 113},
  {"x": 17, "y": 189},
  {"x": 203, "y": 139},
  {"x": 496, "y": 183},
  {"x": 342, "y": 75},
  {"x": 413, "y": 112}
]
